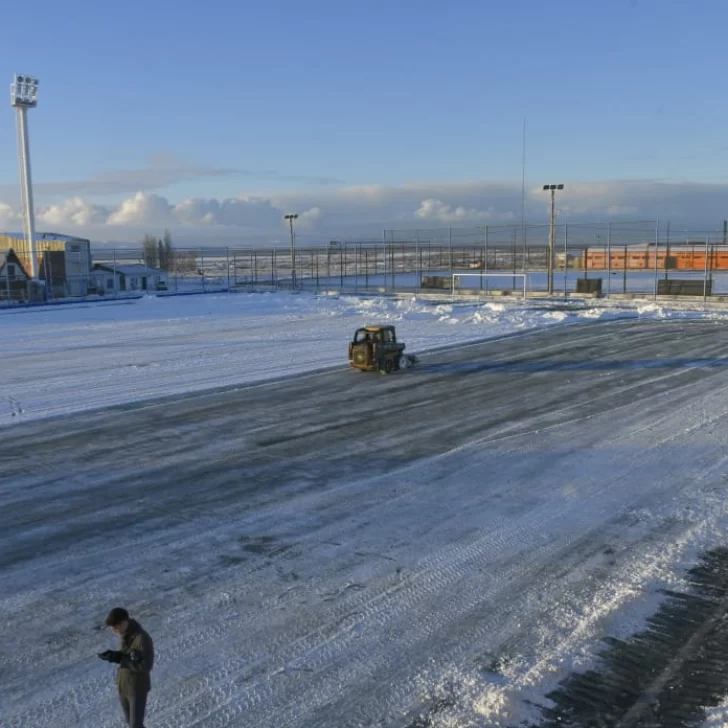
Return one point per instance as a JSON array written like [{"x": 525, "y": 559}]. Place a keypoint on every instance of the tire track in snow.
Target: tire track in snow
[{"x": 330, "y": 644}]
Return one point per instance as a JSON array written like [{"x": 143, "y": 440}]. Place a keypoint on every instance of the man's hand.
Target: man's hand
[{"x": 110, "y": 656}]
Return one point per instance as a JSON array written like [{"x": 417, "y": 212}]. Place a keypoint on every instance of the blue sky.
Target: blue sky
[{"x": 289, "y": 97}]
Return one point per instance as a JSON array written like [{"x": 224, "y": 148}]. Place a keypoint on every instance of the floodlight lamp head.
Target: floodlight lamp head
[{"x": 24, "y": 91}]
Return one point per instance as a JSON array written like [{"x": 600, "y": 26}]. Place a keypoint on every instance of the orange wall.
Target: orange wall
[{"x": 686, "y": 259}]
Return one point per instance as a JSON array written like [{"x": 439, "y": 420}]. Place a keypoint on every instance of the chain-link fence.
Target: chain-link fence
[{"x": 615, "y": 259}]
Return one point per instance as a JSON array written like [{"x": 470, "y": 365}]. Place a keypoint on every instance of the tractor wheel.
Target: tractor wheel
[
  {"x": 403, "y": 361},
  {"x": 387, "y": 366}
]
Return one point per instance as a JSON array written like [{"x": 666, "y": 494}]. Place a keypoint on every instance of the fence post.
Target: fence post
[
  {"x": 227, "y": 262},
  {"x": 356, "y": 267},
  {"x": 667, "y": 247},
  {"x": 393, "y": 265},
  {"x": 566, "y": 260},
  {"x": 449, "y": 236},
  {"x": 657, "y": 240},
  {"x": 116, "y": 285},
  {"x": 705, "y": 274},
  {"x": 48, "y": 271},
  {"x": 609, "y": 259},
  {"x": 485, "y": 260}
]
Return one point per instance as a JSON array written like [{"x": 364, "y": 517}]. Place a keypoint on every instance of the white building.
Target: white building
[{"x": 128, "y": 278}]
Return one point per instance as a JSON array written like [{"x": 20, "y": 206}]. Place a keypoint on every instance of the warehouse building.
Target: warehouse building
[{"x": 64, "y": 261}]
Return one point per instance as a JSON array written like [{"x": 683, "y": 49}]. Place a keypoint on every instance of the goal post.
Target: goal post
[{"x": 522, "y": 279}]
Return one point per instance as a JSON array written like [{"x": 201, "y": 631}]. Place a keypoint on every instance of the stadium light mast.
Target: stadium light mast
[
  {"x": 552, "y": 189},
  {"x": 291, "y": 218},
  {"x": 24, "y": 96}
]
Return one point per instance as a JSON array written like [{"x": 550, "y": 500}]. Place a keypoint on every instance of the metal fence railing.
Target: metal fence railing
[{"x": 625, "y": 259}]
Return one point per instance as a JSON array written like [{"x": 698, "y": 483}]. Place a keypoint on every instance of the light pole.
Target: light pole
[
  {"x": 553, "y": 189},
  {"x": 24, "y": 96},
  {"x": 290, "y": 219}
]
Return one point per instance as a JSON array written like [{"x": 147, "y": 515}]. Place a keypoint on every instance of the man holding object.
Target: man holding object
[{"x": 135, "y": 660}]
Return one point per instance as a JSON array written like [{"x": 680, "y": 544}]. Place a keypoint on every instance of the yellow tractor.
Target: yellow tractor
[{"x": 375, "y": 348}]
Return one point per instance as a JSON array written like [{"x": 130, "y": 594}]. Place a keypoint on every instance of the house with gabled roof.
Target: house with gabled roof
[{"x": 13, "y": 276}]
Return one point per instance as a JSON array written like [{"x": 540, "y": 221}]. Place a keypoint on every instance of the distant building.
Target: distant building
[
  {"x": 13, "y": 277},
  {"x": 126, "y": 278},
  {"x": 64, "y": 261},
  {"x": 680, "y": 256},
  {"x": 573, "y": 260}
]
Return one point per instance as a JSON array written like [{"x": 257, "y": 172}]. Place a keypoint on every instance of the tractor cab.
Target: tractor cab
[{"x": 375, "y": 348}]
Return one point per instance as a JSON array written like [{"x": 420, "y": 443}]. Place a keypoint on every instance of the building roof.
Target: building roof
[
  {"x": 46, "y": 236},
  {"x": 7, "y": 253},
  {"x": 131, "y": 269}
]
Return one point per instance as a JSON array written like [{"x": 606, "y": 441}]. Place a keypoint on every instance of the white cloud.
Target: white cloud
[
  {"x": 233, "y": 212},
  {"x": 142, "y": 208},
  {"x": 196, "y": 211},
  {"x": 310, "y": 219},
  {"x": 366, "y": 210},
  {"x": 9, "y": 217},
  {"x": 441, "y": 212},
  {"x": 75, "y": 211}
]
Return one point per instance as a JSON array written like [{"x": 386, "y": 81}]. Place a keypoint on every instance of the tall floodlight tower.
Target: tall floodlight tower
[
  {"x": 291, "y": 218},
  {"x": 24, "y": 96},
  {"x": 552, "y": 226}
]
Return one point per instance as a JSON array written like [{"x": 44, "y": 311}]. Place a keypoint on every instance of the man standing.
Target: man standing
[{"x": 135, "y": 660}]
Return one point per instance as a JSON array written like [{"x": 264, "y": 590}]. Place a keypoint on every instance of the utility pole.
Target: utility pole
[{"x": 552, "y": 189}]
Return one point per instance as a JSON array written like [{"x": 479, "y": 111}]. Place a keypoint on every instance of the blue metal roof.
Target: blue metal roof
[{"x": 45, "y": 236}]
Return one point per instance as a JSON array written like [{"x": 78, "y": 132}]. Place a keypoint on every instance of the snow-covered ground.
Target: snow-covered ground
[
  {"x": 578, "y": 525},
  {"x": 70, "y": 358}
]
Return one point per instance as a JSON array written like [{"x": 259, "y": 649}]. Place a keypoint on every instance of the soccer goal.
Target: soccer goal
[{"x": 516, "y": 282}]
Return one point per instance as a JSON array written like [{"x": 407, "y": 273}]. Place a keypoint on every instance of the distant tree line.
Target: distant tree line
[{"x": 160, "y": 253}]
